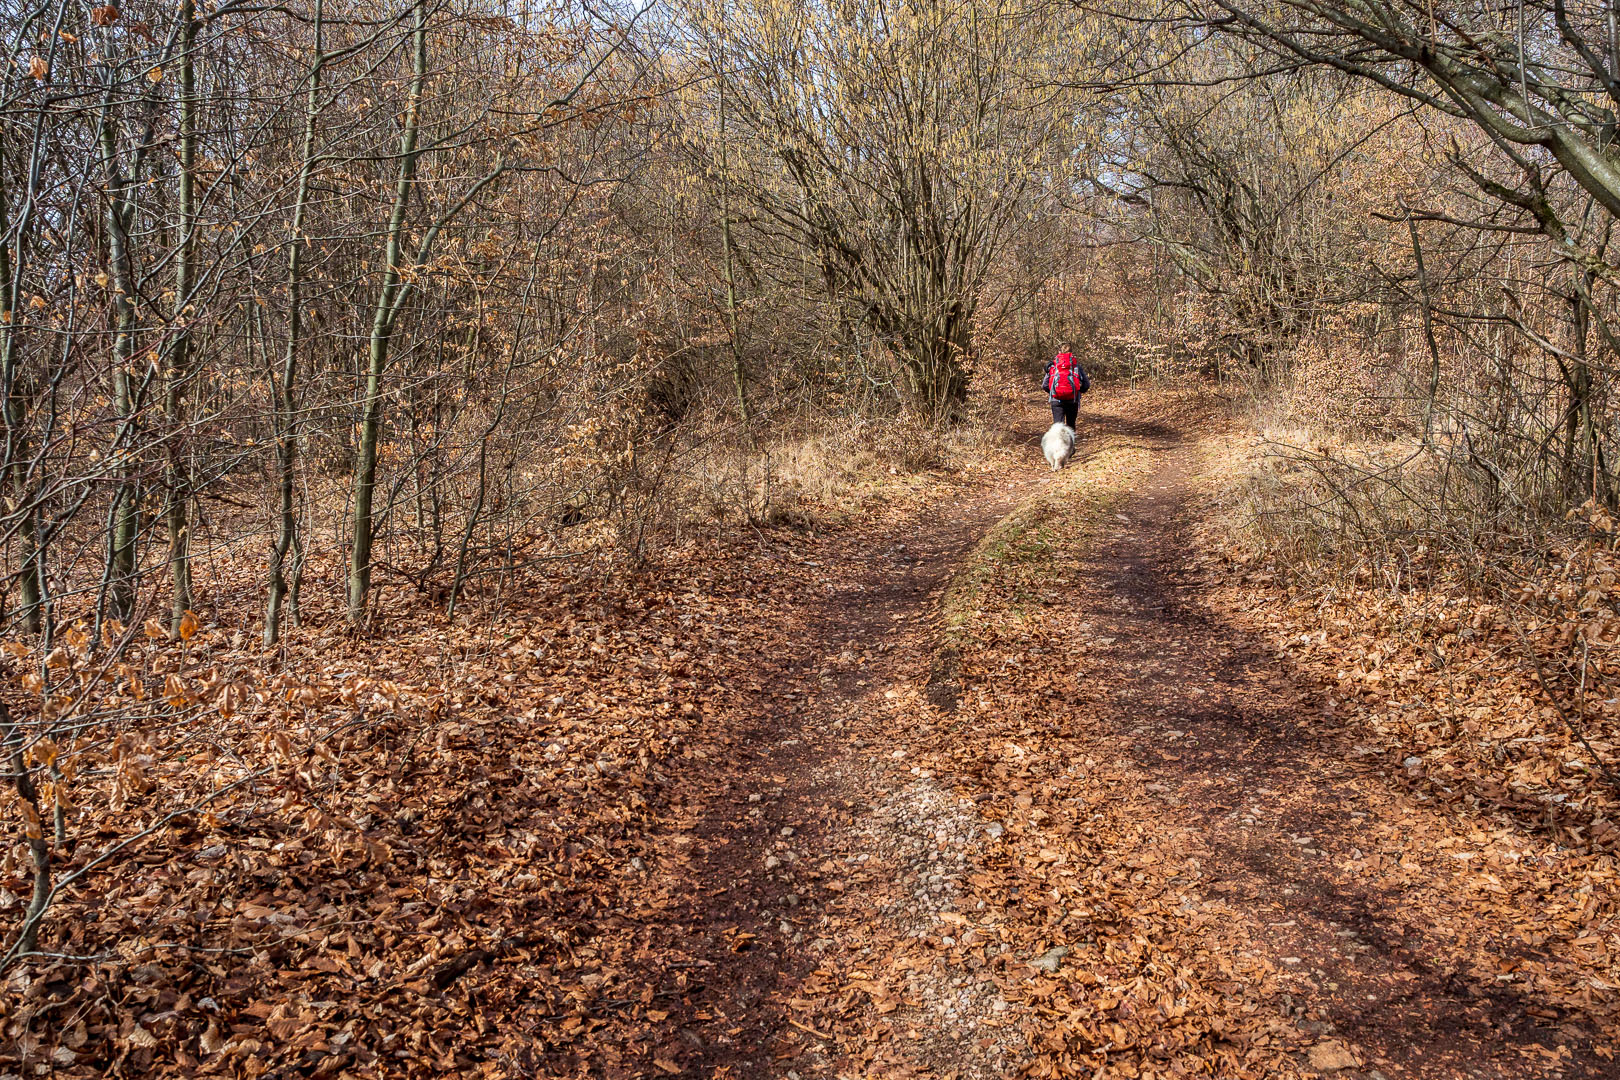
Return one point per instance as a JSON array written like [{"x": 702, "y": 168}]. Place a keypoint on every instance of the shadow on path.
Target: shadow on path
[{"x": 1270, "y": 785}]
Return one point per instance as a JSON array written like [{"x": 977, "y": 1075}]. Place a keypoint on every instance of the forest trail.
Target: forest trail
[
  {"x": 1152, "y": 854},
  {"x": 771, "y": 832}
]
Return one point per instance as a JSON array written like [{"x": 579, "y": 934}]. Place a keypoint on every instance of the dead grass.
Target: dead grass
[
  {"x": 1473, "y": 640},
  {"x": 822, "y": 471}
]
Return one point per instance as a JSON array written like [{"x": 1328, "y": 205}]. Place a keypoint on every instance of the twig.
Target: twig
[
  {"x": 811, "y": 1030},
  {"x": 162, "y": 823},
  {"x": 1574, "y": 729}
]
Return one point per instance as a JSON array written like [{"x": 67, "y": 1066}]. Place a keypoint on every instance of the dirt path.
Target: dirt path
[
  {"x": 785, "y": 824},
  {"x": 1264, "y": 776},
  {"x": 873, "y": 882}
]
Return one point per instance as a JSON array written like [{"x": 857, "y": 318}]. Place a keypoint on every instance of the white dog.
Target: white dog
[{"x": 1058, "y": 445}]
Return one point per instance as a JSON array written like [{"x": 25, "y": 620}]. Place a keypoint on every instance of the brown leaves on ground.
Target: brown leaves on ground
[
  {"x": 1497, "y": 708},
  {"x": 1079, "y": 915},
  {"x": 1179, "y": 877},
  {"x": 441, "y": 872},
  {"x": 511, "y": 848}
]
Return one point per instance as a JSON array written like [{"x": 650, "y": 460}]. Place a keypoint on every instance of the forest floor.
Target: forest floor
[
  {"x": 1031, "y": 803},
  {"x": 996, "y": 779}
]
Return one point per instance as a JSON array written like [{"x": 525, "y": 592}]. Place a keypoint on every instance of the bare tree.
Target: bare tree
[{"x": 900, "y": 149}]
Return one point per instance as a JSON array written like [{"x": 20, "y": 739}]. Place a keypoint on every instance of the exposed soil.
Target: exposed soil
[
  {"x": 788, "y": 819},
  {"x": 825, "y": 854}
]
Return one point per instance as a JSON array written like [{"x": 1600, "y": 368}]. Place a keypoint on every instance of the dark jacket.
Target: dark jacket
[{"x": 1046, "y": 383}]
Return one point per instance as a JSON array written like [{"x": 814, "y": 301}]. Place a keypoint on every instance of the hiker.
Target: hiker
[{"x": 1065, "y": 381}]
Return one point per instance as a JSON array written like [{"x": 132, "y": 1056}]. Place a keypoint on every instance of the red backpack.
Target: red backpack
[{"x": 1065, "y": 384}]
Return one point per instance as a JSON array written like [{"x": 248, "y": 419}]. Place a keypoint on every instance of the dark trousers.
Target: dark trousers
[{"x": 1064, "y": 412}]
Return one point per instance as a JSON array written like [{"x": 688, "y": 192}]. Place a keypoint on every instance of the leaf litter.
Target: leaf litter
[{"x": 802, "y": 805}]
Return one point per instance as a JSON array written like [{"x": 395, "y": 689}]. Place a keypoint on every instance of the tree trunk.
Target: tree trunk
[
  {"x": 382, "y": 328},
  {"x": 1428, "y": 332},
  {"x": 1581, "y": 450},
  {"x": 22, "y": 779},
  {"x": 738, "y": 374},
  {"x": 285, "y": 402},
  {"x": 176, "y": 483},
  {"x": 125, "y": 523},
  {"x": 17, "y": 442}
]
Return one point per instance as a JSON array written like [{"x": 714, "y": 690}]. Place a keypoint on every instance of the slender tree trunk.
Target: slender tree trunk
[
  {"x": 1580, "y": 433},
  {"x": 738, "y": 374},
  {"x": 176, "y": 482},
  {"x": 14, "y": 412},
  {"x": 382, "y": 328},
  {"x": 126, "y": 512},
  {"x": 1428, "y": 332},
  {"x": 125, "y": 524},
  {"x": 460, "y": 578},
  {"x": 286, "y": 400},
  {"x": 22, "y": 779}
]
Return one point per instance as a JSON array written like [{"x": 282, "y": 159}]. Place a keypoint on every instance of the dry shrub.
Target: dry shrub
[
  {"x": 1342, "y": 483},
  {"x": 623, "y": 475},
  {"x": 1326, "y": 384},
  {"x": 829, "y": 465},
  {"x": 1384, "y": 513},
  {"x": 820, "y": 468},
  {"x": 707, "y": 476}
]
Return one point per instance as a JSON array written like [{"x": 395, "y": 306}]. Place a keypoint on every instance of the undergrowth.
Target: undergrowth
[
  {"x": 1476, "y": 635},
  {"x": 816, "y": 470}
]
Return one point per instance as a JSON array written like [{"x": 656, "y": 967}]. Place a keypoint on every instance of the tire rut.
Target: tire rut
[
  {"x": 809, "y": 804},
  {"x": 1265, "y": 777}
]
